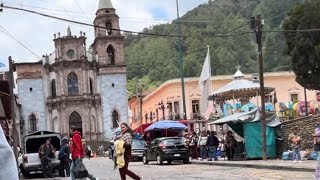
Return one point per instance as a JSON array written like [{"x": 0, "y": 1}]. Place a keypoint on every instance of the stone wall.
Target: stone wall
[
  {"x": 32, "y": 100},
  {"x": 306, "y": 128},
  {"x": 113, "y": 91}
]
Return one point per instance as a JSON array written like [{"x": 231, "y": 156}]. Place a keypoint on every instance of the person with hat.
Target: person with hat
[
  {"x": 63, "y": 156},
  {"x": 46, "y": 152}
]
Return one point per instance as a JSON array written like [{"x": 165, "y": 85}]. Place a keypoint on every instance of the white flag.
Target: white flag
[{"x": 205, "y": 84}]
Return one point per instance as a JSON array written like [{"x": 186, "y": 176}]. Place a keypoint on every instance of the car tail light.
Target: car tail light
[
  {"x": 162, "y": 146},
  {"x": 25, "y": 158}
]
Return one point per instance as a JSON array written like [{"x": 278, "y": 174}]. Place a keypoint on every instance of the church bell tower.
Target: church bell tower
[{"x": 109, "y": 53}]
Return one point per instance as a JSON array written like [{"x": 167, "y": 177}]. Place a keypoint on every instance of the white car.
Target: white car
[{"x": 30, "y": 161}]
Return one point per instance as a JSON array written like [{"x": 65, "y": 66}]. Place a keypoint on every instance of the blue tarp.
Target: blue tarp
[{"x": 166, "y": 124}]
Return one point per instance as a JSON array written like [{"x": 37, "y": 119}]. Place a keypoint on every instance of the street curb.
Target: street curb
[{"x": 256, "y": 166}]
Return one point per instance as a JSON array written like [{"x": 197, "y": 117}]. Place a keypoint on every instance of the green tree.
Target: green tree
[{"x": 304, "y": 47}]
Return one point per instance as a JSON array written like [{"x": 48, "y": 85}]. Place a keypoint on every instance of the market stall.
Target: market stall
[
  {"x": 248, "y": 126},
  {"x": 241, "y": 114}
]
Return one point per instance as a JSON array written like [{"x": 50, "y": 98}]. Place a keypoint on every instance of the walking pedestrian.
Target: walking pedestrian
[
  {"x": 46, "y": 153},
  {"x": 77, "y": 151},
  {"x": 126, "y": 136},
  {"x": 317, "y": 149},
  {"x": 229, "y": 143},
  {"x": 63, "y": 156},
  {"x": 194, "y": 146},
  {"x": 213, "y": 144},
  {"x": 203, "y": 145},
  {"x": 295, "y": 142}
]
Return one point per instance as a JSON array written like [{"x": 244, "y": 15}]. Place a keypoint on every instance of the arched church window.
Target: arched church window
[
  {"x": 109, "y": 28},
  {"x": 73, "y": 87},
  {"x": 53, "y": 88},
  {"x": 110, "y": 52},
  {"x": 33, "y": 123},
  {"x": 115, "y": 119},
  {"x": 91, "y": 86}
]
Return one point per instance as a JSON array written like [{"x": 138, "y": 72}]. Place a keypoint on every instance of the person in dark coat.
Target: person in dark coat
[
  {"x": 64, "y": 157},
  {"x": 46, "y": 153},
  {"x": 213, "y": 143},
  {"x": 229, "y": 143}
]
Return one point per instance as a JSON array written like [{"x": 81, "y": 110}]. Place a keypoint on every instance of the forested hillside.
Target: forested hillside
[{"x": 224, "y": 25}]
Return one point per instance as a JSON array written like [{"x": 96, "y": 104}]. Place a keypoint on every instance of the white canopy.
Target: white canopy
[{"x": 239, "y": 88}]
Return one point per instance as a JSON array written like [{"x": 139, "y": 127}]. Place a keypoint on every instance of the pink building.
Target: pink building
[{"x": 165, "y": 102}]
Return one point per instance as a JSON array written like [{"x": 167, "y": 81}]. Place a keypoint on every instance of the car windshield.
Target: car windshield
[
  {"x": 173, "y": 141},
  {"x": 138, "y": 144}
]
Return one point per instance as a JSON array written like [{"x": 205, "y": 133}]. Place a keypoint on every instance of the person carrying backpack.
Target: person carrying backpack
[{"x": 63, "y": 156}]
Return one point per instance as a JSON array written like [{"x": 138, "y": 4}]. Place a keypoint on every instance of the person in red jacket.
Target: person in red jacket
[{"x": 77, "y": 151}]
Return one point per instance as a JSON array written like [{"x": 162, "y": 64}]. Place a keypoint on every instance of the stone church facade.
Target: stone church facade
[{"x": 78, "y": 87}]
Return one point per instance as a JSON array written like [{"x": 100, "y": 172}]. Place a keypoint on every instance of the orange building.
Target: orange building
[{"x": 165, "y": 102}]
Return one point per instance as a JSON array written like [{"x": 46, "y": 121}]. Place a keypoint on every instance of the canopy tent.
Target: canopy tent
[
  {"x": 248, "y": 126},
  {"x": 239, "y": 88},
  {"x": 165, "y": 125},
  {"x": 251, "y": 116}
]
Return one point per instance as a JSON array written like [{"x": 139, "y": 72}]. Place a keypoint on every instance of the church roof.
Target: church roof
[{"x": 105, "y": 4}]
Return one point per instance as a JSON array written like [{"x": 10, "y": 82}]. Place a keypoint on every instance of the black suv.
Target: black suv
[
  {"x": 166, "y": 149},
  {"x": 137, "y": 149}
]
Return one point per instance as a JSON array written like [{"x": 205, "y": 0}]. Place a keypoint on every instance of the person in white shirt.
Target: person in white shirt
[{"x": 10, "y": 170}]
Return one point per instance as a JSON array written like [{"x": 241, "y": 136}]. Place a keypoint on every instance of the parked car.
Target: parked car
[
  {"x": 166, "y": 149},
  {"x": 137, "y": 149},
  {"x": 30, "y": 159}
]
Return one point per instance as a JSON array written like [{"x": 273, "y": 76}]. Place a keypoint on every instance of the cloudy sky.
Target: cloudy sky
[{"x": 36, "y": 32}]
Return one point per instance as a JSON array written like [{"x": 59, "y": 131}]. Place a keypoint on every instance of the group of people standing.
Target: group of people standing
[
  {"x": 74, "y": 147},
  {"x": 204, "y": 145},
  {"x": 295, "y": 142}
]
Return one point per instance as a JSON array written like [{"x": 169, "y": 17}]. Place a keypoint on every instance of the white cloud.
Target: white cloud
[{"x": 36, "y": 32}]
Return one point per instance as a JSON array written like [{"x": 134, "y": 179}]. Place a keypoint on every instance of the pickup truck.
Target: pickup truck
[{"x": 30, "y": 159}]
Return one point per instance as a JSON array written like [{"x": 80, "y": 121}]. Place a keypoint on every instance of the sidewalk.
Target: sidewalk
[{"x": 305, "y": 166}]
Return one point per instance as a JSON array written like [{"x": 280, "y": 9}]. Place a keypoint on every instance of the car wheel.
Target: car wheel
[
  {"x": 186, "y": 161},
  {"x": 23, "y": 171},
  {"x": 145, "y": 160},
  {"x": 169, "y": 162},
  {"x": 159, "y": 160}
]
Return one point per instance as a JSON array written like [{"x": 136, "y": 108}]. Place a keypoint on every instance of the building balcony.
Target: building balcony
[{"x": 79, "y": 99}]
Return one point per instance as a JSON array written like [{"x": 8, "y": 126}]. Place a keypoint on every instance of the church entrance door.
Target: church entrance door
[{"x": 76, "y": 121}]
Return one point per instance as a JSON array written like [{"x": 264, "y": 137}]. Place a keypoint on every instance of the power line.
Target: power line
[
  {"x": 82, "y": 12},
  {"x": 19, "y": 42},
  {"x": 6, "y": 32},
  {"x": 126, "y": 31},
  {"x": 295, "y": 30}
]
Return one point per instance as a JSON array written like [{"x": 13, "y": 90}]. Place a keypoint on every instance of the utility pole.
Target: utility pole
[
  {"x": 181, "y": 64},
  {"x": 139, "y": 91},
  {"x": 306, "y": 101},
  {"x": 257, "y": 25},
  {"x": 12, "y": 98}
]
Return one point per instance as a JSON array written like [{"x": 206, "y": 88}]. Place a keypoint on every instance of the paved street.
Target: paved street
[{"x": 102, "y": 168}]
